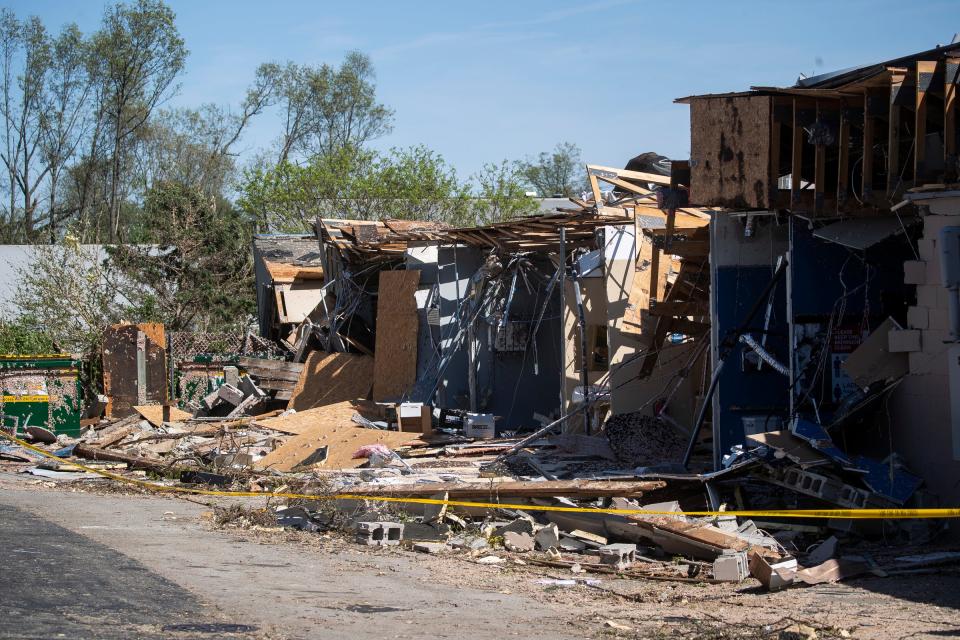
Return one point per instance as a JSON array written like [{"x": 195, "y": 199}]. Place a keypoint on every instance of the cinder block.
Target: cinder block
[
  {"x": 943, "y": 298},
  {"x": 230, "y": 394},
  {"x": 379, "y": 534},
  {"x": 939, "y": 320},
  {"x": 934, "y": 341},
  {"x": 933, "y": 223},
  {"x": 922, "y": 364},
  {"x": 927, "y": 248},
  {"x": 231, "y": 376},
  {"x": 904, "y": 341},
  {"x": 731, "y": 566},
  {"x": 933, "y": 275},
  {"x": 927, "y": 295},
  {"x": 915, "y": 272},
  {"x": 620, "y": 555},
  {"x": 918, "y": 317}
]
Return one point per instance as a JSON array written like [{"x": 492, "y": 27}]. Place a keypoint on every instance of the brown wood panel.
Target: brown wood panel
[
  {"x": 395, "y": 355},
  {"x": 328, "y": 378},
  {"x": 730, "y": 151}
]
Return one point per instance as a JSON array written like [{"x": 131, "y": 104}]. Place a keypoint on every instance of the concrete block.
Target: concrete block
[
  {"x": 927, "y": 248},
  {"x": 430, "y": 547},
  {"x": 934, "y": 341},
  {"x": 249, "y": 388},
  {"x": 904, "y": 341},
  {"x": 922, "y": 364},
  {"x": 943, "y": 298},
  {"x": 915, "y": 272},
  {"x": 210, "y": 399},
  {"x": 933, "y": 223},
  {"x": 231, "y": 376},
  {"x": 939, "y": 320},
  {"x": 520, "y": 525},
  {"x": 918, "y": 318},
  {"x": 620, "y": 555},
  {"x": 927, "y": 295},
  {"x": 514, "y": 541},
  {"x": 230, "y": 394},
  {"x": 731, "y": 566},
  {"x": 933, "y": 275},
  {"x": 547, "y": 537},
  {"x": 379, "y": 534}
]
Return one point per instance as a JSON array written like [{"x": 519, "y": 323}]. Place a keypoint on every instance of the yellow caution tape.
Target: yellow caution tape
[
  {"x": 10, "y": 399},
  {"x": 860, "y": 514}
]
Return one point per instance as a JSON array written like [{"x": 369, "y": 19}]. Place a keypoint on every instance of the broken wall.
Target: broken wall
[
  {"x": 925, "y": 407},
  {"x": 749, "y": 398}
]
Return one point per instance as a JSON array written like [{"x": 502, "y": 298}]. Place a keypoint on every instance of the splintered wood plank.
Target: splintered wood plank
[
  {"x": 951, "y": 79},
  {"x": 395, "y": 355},
  {"x": 924, "y": 78},
  {"x": 893, "y": 134},
  {"x": 796, "y": 164},
  {"x": 843, "y": 164},
  {"x": 773, "y": 182},
  {"x": 819, "y": 169},
  {"x": 595, "y": 189}
]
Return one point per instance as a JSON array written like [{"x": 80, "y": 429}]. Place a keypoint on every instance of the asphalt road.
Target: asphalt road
[
  {"x": 57, "y": 583},
  {"x": 119, "y": 566}
]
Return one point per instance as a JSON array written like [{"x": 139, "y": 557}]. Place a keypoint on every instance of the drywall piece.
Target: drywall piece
[
  {"x": 295, "y": 301},
  {"x": 329, "y": 378},
  {"x": 395, "y": 357},
  {"x": 862, "y": 233},
  {"x": 791, "y": 447},
  {"x": 330, "y": 426},
  {"x": 873, "y": 360}
]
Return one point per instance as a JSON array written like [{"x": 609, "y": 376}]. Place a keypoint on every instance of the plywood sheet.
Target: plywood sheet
[
  {"x": 286, "y": 273},
  {"x": 329, "y": 426},
  {"x": 395, "y": 358},
  {"x": 153, "y": 413},
  {"x": 328, "y": 378},
  {"x": 730, "y": 151}
]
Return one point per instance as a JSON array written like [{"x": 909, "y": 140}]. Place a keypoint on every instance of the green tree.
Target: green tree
[
  {"x": 326, "y": 108},
  {"x": 137, "y": 54},
  {"x": 557, "y": 173},
  {"x": 190, "y": 259},
  {"x": 20, "y": 336},
  {"x": 71, "y": 292},
  {"x": 501, "y": 194},
  {"x": 412, "y": 184}
]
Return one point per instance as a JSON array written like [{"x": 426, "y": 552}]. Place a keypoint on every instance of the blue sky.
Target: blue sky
[{"x": 486, "y": 81}]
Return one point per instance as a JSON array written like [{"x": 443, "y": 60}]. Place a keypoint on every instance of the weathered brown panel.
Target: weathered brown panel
[
  {"x": 395, "y": 356},
  {"x": 329, "y": 378},
  {"x": 730, "y": 151},
  {"x": 120, "y": 379}
]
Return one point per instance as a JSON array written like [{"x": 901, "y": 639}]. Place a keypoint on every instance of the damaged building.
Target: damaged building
[{"x": 833, "y": 266}]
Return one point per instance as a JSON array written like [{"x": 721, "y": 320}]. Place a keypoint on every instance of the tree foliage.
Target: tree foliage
[
  {"x": 191, "y": 257},
  {"x": 20, "y": 336},
  {"x": 557, "y": 173},
  {"x": 324, "y": 108},
  {"x": 72, "y": 292},
  {"x": 92, "y": 153},
  {"x": 362, "y": 184}
]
